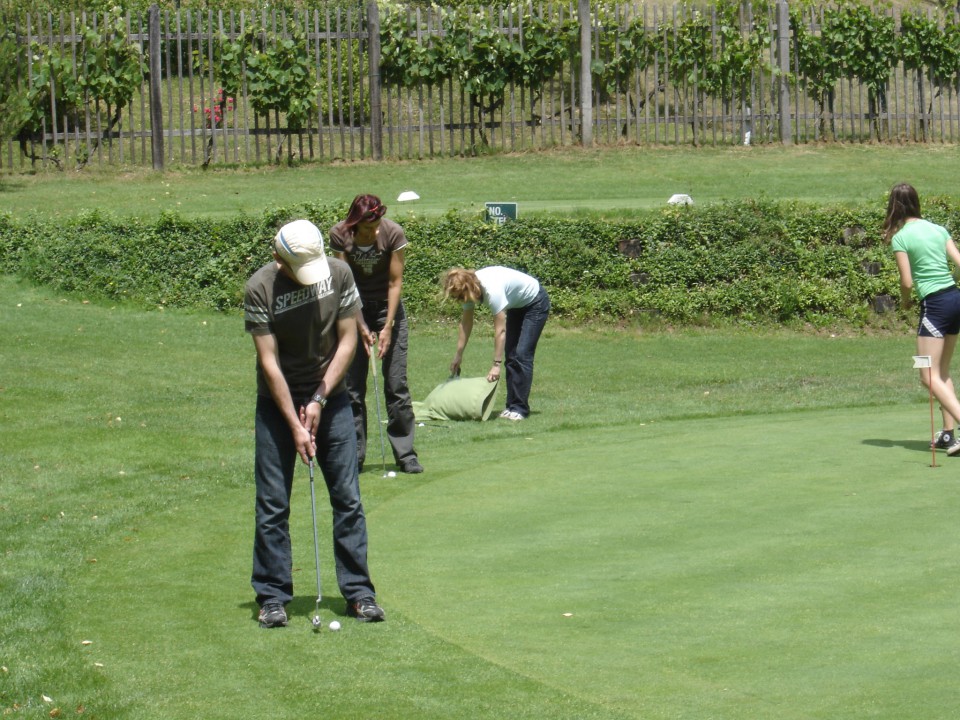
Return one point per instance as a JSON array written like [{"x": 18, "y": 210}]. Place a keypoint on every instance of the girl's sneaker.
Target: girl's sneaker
[
  {"x": 511, "y": 415},
  {"x": 954, "y": 447},
  {"x": 942, "y": 440}
]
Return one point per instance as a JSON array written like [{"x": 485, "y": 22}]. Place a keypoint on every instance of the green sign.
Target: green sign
[{"x": 501, "y": 212}]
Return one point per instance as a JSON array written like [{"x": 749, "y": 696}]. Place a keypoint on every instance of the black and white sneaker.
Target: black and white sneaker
[
  {"x": 954, "y": 447},
  {"x": 942, "y": 440},
  {"x": 366, "y": 610},
  {"x": 272, "y": 614}
]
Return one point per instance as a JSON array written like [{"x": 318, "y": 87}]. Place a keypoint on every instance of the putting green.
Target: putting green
[
  {"x": 799, "y": 565},
  {"x": 784, "y": 566}
]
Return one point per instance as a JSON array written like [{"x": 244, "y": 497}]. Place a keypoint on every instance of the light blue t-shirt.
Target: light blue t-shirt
[{"x": 505, "y": 288}]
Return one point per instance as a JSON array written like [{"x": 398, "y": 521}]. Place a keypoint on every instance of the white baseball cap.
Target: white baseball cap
[{"x": 300, "y": 245}]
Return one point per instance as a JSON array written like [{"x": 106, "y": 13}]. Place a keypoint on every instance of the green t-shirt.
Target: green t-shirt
[{"x": 926, "y": 247}]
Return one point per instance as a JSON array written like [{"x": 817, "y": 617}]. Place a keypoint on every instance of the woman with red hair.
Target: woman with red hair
[{"x": 374, "y": 248}]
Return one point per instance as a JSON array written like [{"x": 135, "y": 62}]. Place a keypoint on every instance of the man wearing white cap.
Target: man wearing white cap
[{"x": 301, "y": 311}]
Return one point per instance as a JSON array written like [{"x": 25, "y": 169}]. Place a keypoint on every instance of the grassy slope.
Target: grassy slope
[{"x": 610, "y": 181}]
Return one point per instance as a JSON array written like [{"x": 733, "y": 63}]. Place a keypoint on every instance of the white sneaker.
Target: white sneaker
[{"x": 510, "y": 415}]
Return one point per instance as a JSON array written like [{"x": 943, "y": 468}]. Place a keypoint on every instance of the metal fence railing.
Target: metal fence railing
[{"x": 358, "y": 117}]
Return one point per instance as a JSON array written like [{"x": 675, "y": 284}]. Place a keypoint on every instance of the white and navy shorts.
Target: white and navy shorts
[{"x": 940, "y": 313}]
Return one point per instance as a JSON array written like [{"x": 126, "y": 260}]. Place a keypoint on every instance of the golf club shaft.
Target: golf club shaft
[
  {"x": 376, "y": 392},
  {"x": 316, "y": 540}
]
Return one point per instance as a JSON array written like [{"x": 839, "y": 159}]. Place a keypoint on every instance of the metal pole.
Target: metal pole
[
  {"x": 373, "y": 50},
  {"x": 156, "y": 102},
  {"x": 783, "y": 58},
  {"x": 376, "y": 391},
  {"x": 316, "y": 549},
  {"x": 586, "y": 83}
]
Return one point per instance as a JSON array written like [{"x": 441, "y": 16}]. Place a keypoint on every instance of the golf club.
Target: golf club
[
  {"x": 376, "y": 391},
  {"x": 317, "y": 624}
]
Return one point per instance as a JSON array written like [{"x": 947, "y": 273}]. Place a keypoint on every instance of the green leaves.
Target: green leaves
[
  {"x": 622, "y": 52},
  {"x": 926, "y": 47},
  {"x": 743, "y": 261},
  {"x": 103, "y": 75},
  {"x": 819, "y": 68},
  {"x": 408, "y": 60},
  {"x": 714, "y": 54},
  {"x": 111, "y": 68},
  {"x": 473, "y": 47},
  {"x": 546, "y": 47},
  {"x": 854, "y": 41},
  {"x": 864, "y": 42},
  {"x": 276, "y": 71}
]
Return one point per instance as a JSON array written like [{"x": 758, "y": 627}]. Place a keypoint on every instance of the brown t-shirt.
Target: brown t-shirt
[
  {"x": 303, "y": 318},
  {"x": 370, "y": 265}
]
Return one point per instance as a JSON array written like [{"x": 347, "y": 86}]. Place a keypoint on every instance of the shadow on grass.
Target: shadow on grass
[
  {"x": 919, "y": 445},
  {"x": 7, "y": 185}
]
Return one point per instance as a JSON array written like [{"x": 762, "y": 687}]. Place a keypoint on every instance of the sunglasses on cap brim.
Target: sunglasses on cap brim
[{"x": 375, "y": 214}]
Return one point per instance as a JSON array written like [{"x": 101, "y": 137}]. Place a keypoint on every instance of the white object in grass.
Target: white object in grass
[
  {"x": 334, "y": 625},
  {"x": 680, "y": 199},
  {"x": 407, "y": 195}
]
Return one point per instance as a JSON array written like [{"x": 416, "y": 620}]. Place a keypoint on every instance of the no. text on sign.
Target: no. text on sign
[{"x": 501, "y": 212}]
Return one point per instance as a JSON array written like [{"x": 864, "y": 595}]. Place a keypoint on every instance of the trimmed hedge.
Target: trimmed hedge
[{"x": 749, "y": 261}]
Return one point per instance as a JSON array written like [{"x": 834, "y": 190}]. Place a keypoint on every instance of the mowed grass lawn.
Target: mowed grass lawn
[
  {"x": 607, "y": 181},
  {"x": 693, "y": 524},
  {"x": 700, "y": 524}
]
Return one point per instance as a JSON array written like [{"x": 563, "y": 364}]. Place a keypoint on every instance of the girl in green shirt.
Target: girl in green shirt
[{"x": 924, "y": 252}]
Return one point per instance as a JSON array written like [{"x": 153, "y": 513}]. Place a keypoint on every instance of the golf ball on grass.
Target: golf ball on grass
[
  {"x": 334, "y": 625},
  {"x": 391, "y": 474}
]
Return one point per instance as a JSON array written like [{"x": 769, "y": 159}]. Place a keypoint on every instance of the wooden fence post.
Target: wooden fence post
[
  {"x": 783, "y": 60},
  {"x": 586, "y": 83},
  {"x": 373, "y": 51},
  {"x": 156, "y": 103}
]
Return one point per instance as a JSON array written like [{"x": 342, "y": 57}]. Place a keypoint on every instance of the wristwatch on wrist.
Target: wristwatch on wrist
[{"x": 318, "y": 398}]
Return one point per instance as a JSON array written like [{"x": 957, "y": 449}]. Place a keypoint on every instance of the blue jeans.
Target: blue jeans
[
  {"x": 274, "y": 464},
  {"x": 524, "y": 326}
]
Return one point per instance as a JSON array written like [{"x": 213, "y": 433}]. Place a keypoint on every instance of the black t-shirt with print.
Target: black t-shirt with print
[{"x": 303, "y": 318}]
